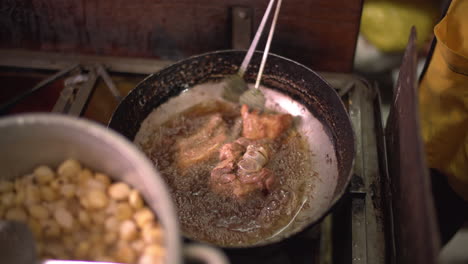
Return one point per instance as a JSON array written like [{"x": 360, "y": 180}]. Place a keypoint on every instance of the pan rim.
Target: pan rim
[{"x": 338, "y": 196}]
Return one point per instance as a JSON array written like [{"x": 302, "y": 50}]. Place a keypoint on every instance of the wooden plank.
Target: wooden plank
[
  {"x": 319, "y": 33},
  {"x": 415, "y": 223}
]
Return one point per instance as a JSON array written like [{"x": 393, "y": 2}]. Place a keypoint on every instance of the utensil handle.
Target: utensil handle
[
  {"x": 267, "y": 46},
  {"x": 254, "y": 43}
]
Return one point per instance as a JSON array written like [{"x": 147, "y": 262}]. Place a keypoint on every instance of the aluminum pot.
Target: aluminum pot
[{"x": 29, "y": 140}]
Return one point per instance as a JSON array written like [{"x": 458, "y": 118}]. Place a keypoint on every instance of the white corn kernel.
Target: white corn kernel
[
  {"x": 138, "y": 245},
  {"x": 82, "y": 250},
  {"x": 83, "y": 218},
  {"x": 149, "y": 259},
  {"x": 17, "y": 214},
  {"x": 110, "y": 238},
  {"x": 123, "y": 211},
  {"x": 69, "y": 168},
  {"x": 68, "y": 242},
  {"x": 32, "y": 195},
  {"x": 152, "y": 235},
  {"x": 43, "y": 174},
  {"x": 143, "y": 216},
  {"x": 8, "y": 199},
  {"x": 97, "y": 199},
  {"x": 154, "y": 250},
  {"x": 95, "y": 184},
  {"x": 56, "y": 250},
  {"x": 105, "y": 259},
  {"x": 112, "y": 224},
  {"x": 51, "y": 229},
  {"x": 98, "y": 248},
  {"x": 38, "y": 211},
  {"x": 128, "y": 230},
  {"x": 55, "y": 184},
  {"x": 35, "y": 227},
  {"x": 119, "y": 191},
  {"x": 84, "y": 175},
  {"x": 135, "y": 200},
  {"x": 68, "y": 190},
  {"x": 6, "y": 186},
  {"x": 48, "y": 194},
  {"x": 103, "y": 178},
  {"x": 125, "y": 254},
  {"x": 19, "y": 198},
  {"x": 98, "y": 218},
  {"x": 64, "y": 218}
]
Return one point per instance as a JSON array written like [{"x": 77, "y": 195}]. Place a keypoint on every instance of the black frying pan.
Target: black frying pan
[{"x": 293, "y": 88}]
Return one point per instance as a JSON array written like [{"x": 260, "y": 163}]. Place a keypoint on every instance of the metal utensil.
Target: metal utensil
[
  {"x": 235, "y": 84},
  {"x": 254, "y": 97}
]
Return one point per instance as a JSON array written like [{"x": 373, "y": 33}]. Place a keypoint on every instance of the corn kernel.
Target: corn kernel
[
  {"x": 110, "y": 238},
  {"x": 135, "y": 200},
  {"x": 119, "y": 191},
  {"x": 125, "y": 254},
  {"x": 19, "y": 198},
  {"x": 35, "y": 227},
  {"x": 128, "y": 230},
  {"x": 69, "y": 168},
  {"x": 98, "y": 218},
  {"x": 82, "y": 250},
  {"x": 32, "y": 195},
  {"x": 143, "y": 216},
  {"x": 38, "y": 211},
  {"x": 149, "y": 259},
  {"x": 6, "y": 186},
  {"x": 97, "y": 199},
  {"x": 16, "y": 214},
  {"x": 95, "y": 184},
  {"x": 138, "y": 245},
  {"x": 8, "y": 199},
  {"x": 103, "y": 178},
  {"x": 55, "y": 184},
  {"x": 154, "y": 250},
  {"x": 152, "y": 235},
  {"x": 64, "y": 218},
  {"x": 48, "y": 194},
  {"x": 43, "y": 174},
  {"x": 51, "y": 229},
  {"x": 112, "y": 224},
  {"x": 123, "y": 211},
  {"x": 68, "y": 190},
  {"x": 84, "y": 175},
  {"x": 83, "y": 218}
]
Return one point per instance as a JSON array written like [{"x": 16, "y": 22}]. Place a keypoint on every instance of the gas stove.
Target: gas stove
[{"x": 358, "y": 230}]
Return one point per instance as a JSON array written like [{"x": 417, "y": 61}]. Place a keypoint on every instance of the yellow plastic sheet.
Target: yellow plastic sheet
[{"x": 443, "y": 96}]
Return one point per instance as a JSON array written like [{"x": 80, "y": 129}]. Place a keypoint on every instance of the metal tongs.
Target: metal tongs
[{"x": 236, "y": 88}]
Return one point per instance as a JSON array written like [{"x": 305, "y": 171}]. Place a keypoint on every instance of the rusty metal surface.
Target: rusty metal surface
[
  {"x": 320, "y": 34},
  {"x": 241, "y": 27},
  {"x": 368, "y": 236},
  {"x": 416, "y": 235}
]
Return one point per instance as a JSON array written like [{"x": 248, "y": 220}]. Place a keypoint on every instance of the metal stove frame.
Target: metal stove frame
[{"x": 370, "y": 236}]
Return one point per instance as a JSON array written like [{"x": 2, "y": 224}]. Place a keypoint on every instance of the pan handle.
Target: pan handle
[{"x": 200, "y": 253}]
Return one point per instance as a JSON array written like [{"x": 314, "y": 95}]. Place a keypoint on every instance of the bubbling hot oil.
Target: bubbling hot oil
[{"x": 226, "y": 221}]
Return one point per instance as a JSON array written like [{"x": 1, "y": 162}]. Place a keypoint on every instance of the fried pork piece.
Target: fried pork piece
[
  {"x": 258, "y": 126},
  {"x": 241, "y": 169},
  {"x": 203, "y": 143}
]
